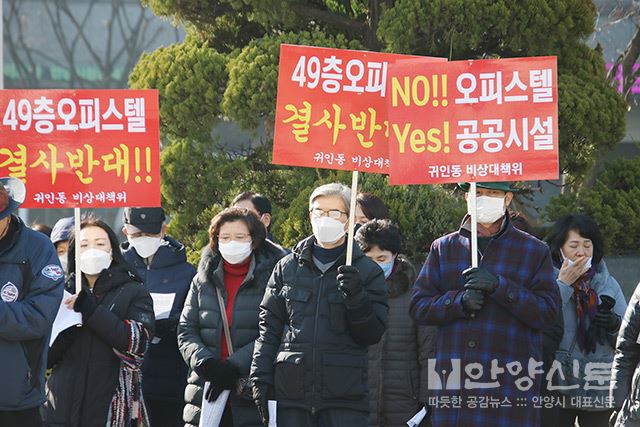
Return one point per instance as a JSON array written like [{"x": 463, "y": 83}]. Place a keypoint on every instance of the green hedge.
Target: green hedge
[
  {"x": 423, "y": 212},
  {"x": 613, "y": 202}
]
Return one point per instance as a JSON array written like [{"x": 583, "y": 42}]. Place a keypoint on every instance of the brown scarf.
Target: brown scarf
[{"x": 586, "y": 303}]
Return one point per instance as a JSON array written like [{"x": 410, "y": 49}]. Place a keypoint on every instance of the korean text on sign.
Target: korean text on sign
[
  {"x": 486, "y": 120},
  {"x": 68, "y": 145},
  {"x": 333, "y": 101}
]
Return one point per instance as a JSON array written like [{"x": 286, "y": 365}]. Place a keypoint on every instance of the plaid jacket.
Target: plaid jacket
[{"x": 499, "y": 347}]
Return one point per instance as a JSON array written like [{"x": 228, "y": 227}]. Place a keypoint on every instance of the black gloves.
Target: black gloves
[
  {"x": 349, "y": 283},
  {"x": 606, "y": 319},
  {"x": 472, "y": 300},
  {"x": 604, "y": 324},
  {"x": 478, "y": 283},
  {"x": 86, "y": 303},
  {"x": 212, "y": 393},
  {"x": 261, "y": 394},
  {"x": 166, "y": 328},
  {"x": 221, "y": 374},
  {"x": 480, "y": 279}
]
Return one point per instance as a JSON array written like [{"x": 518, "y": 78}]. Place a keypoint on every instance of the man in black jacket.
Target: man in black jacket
[
  {"x": 162, "y": 264},
  {"x": 30, "y": 293},
  {"x": 330, "y": 312}
]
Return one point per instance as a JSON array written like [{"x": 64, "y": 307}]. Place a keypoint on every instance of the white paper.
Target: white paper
[
  {"x": 162, "y": 304},
  {"x": 273, "y": 412},
  {"x": 417, "y": 418},
  {"x": 65, "y": 319},
  {"x": 211, "y": 412}
]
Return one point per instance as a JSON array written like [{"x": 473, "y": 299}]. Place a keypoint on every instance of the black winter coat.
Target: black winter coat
[
  {"x": 200, "y": 328},
  {"x": 85, "y": 367},
  {"x": 398, "y": 375},
  {"x": 321, "y": 361},
  {"x": 31, "y": 282},
  {"x": 164, "y": 370},
  {"x": 625, "y": 372}
]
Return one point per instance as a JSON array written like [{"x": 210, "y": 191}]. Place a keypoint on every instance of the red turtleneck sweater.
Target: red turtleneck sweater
[{"x": 234, "y": 275}]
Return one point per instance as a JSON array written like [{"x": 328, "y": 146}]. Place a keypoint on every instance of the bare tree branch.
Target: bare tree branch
[
  {"x": 66, "y": 50},
  {"x": 630, "y": 55},
  {"x": 26, "y": 71},
  {"x": 127, "y": 33},
  {"x": 624, "y": 11},
  {"x": 63, "y": 5},
  {"x": 115, "y": 5}
]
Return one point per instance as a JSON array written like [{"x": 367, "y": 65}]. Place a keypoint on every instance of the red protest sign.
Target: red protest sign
[
  {"x": 331, "y": 109},
  {"x": 484, "y": 120},
  {"x": 82, "y": 148}
]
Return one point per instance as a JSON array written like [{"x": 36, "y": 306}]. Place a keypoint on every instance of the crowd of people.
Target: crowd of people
[{"x": 538, "y": 334}]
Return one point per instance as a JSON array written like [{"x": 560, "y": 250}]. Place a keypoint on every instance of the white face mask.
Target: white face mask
[
  {"x": 489, "y": 209},
  {"x": 93, "y": 261},
  {"x": 64, "y": 261},
  {"x": 586, "y": 266},
  {"x": 234, "y": 252},
  {"x": 145, "y": 246},
  {"x": 327, "y": 230},
  {"x": 387, "y": 267}
]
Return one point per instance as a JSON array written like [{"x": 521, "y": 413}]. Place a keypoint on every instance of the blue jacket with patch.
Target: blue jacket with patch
[
  {"x": 164, "y": 370},
  {"x": 31, "y": 283}
]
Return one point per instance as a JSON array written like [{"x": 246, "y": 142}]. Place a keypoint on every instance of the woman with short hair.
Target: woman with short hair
[
  {"x": 398, "y": 373},
  {"x": 592, "y": 307},
  {"x": 235, "y": 265}
]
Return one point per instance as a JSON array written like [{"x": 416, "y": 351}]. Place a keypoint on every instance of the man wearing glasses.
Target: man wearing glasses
[{"x": 330, "y": 312}]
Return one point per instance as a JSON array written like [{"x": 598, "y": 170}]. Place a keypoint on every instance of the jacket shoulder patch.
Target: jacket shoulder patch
[{"x": 53, "y": 272}]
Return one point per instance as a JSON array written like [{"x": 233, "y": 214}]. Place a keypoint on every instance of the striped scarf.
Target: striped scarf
[
  {"x": 127, "y": 407},
  {"x": 586, "y": 303}
]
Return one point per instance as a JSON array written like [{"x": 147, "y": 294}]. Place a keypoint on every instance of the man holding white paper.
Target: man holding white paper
[{"x": 162, "y": 264}]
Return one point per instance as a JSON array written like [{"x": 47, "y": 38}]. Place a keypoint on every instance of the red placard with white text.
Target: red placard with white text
[
  {"x": 82, "y": 148},
  {"x": 331, "y": 109},
  {"x": 476, "y": 120}
]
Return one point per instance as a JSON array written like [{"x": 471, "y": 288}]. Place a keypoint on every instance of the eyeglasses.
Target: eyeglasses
[
  {"x": 226, "y": 238},
  {"x": 333, "y": 213}
]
